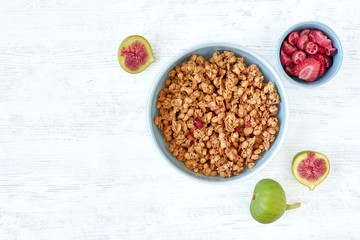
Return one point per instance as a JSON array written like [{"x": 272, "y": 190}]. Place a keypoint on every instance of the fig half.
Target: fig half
[
  {"x": 269, "y": 202},
  {"x": 135, "y": 54},
  {"x": 310, "y": 168}
]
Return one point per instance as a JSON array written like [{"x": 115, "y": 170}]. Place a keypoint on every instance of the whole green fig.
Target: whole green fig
[{"x": 269, "y": 202}]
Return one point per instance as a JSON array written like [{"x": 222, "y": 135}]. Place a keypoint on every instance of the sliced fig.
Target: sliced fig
[
  {"x": 135, "y": 54},
  {"x": 310, "y": 168}
]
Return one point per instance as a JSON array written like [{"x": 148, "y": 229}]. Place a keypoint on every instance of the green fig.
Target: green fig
[{"x": 269, "y": 202}]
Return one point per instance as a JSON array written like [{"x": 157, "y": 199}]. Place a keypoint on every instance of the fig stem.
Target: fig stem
[{"x": 292, "y": 206}]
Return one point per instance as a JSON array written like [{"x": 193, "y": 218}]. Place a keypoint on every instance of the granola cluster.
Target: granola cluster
[{"x": 218, "y": 115}]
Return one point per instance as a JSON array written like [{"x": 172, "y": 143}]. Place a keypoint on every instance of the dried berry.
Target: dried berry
[
  {"x": 198, "y": 123},
  {"x": 307, "y": 70}
]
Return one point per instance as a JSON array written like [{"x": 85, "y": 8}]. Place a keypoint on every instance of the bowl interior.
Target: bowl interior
[
  {"x": 207, "y": 51},
  {"x": 337, "y": 59}
]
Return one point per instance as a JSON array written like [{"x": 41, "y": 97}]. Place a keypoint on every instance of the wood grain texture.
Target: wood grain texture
[{"x": 76, "y": 157}]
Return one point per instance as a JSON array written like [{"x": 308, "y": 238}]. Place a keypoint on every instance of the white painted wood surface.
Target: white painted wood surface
[{"x": 76, "y": 157}]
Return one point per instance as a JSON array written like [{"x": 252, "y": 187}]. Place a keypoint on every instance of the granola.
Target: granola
[{"x": 218, "y": 115}]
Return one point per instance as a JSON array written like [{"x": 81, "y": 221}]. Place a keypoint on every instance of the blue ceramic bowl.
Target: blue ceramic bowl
[
  {"x": 337, "y": 59},
  {"x": 207, "y": 50}
]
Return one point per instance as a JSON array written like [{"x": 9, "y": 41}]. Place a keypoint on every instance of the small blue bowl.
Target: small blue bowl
[
  {"x": 207, "y": 50},
  {"x": 337, "y": 58}
]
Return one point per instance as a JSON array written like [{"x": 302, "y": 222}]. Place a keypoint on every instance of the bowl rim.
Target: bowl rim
[
  {"x": 164, "y": 70},
  {"x": 315, "y": 83}
]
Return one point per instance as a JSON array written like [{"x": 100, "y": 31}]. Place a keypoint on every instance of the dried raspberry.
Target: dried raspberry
[
  {"x": 198, "y": 123},
  {"x": 192, "y": 130},
  {"x": 247, "y": 124},
  {"x": 191, "y": 137}
]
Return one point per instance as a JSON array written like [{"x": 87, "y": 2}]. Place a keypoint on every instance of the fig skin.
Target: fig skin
[
  {"x": 269, "y": 202},
  {"x": 127, "y": 42},
  {"x": 297, "y": 160}
]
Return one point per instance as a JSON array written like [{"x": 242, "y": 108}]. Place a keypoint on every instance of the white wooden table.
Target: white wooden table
[{"x": 76, "y": 157}]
